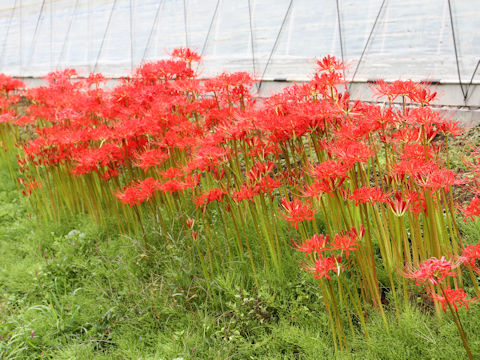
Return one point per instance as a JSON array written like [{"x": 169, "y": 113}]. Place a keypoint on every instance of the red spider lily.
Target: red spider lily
[
  {"x": 347, "y": 240},
  {"x": 209, "y": 196},
  {"x": 450, "y": 127},
  {"x": 416, "y": 201},
  {"x": 292, "y": 177},
  {"x": 111, "y": 172},
  {"x": 374, "y": 117},
  {"x": 191, "y": 181},
  {"x": 151, "y": 158},
  {"x": 423, "y": 95},
  {"x": 189, "y": 223},
  {"x": 331, "y": 170},
  {"x": 437, "y": 179},
  {"x": 7, "y": 118},
  {"x": 186, "y": 55},
  {"x": 433, "y": 270},
  {"x": 350, "y": 152},
  {"x": 398, "y": 88},
  {"x": 472, "y": 210},
  {"x": 398, "y": 205},
  {"x": 470, "y": 255},
  {"x": 267, "y": 185},
  {"x": 457, "y": 298},
  {"x": 382, "y": 88},
  {"x": 90, "y": 160},
  {"x": 326, "y": 83},
  {"x": 414, "y": 151},
  {"x": 171, "y": 173},
  {"x": 95, "y": 79},
  {"x": 323, "y": 265},
  {"x": 281, "y": 127},
  {"x": 296, "y": 212},
  {"x": 28, "y": 187},
  {"x": 155, "y": 72},
  {"x": 245, "y": 192},
  {"x": 194, "y": 234},
  {"x": 423, "y": 116},
  {"x": 9, "y": 84},
  {"x": 260, "y": 170},
  {"x": 139, "y": 192},
  {"x": 330, "y": 64},
  {"x": 172, "y": 186},
  {"x": 316, "y": 244},
  {"x": 316, "y": 189},
  {"x": 217, "y": 174},
  {"x": 426, "y": 133},
  {"x": 413, "y": 167},
  {"x": 367, "y": 194},
  {"x": 230, "y": 88}
]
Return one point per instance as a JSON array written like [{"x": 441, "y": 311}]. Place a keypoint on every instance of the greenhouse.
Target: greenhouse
[{"x": 277, "y": 40}]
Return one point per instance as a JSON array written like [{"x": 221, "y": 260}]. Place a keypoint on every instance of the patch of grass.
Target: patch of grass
[
  {"x": 470, "y": 231},
  {"x": 72, "y": 290}
]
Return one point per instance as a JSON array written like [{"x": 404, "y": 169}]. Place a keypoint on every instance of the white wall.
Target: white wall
[{"x": 411, "y": 39}]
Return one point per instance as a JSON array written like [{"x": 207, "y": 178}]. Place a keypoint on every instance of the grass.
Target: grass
[{"x": 74, "y": 290}]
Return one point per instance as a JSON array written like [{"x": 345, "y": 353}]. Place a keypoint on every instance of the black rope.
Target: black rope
[
  {"x": 471, "y": 80},
  {"x": 340, "y": 35},
  {"x": 185, "y": 21},
  {"x": 204, "y": 47},
  {"x": 214, "y": 16},
  {"x": 456, "y": 51},
  {"x": 275, "y": 44},
  {"x": 251, "y": 38},
  {"x": 67, "y": 35},
  {"x": 105, "y": 35},
  {"x": 152, "y": 30},
  {"x": 34, "y": 38},
  {"x": 8, "y": 31},
  {"x": 366, "y": 44}
]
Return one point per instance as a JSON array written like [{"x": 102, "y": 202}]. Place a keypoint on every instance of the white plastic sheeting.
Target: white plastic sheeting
[{"x": 410, "y": 39}]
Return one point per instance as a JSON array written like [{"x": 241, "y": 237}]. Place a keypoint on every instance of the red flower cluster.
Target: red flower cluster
[
  {"x": 436, "y": 270},
  {"x": 209, "y": 196},
  {"x": 433, "y": 270},
  {"x": 473, "y": 209},
  {"x": 296, "y": 212},
  {"x": 139, "y": 192},
  {"x": 367, "y": 194},
  {"x": 470, "y": 255},
  {"x": 316, "y": 247},
  {"x": 347, "y": 241},
  {"x": 457, "y": 298},
  {"x": 316, "y": 244},
  {"x": 164, "y": 136}
]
